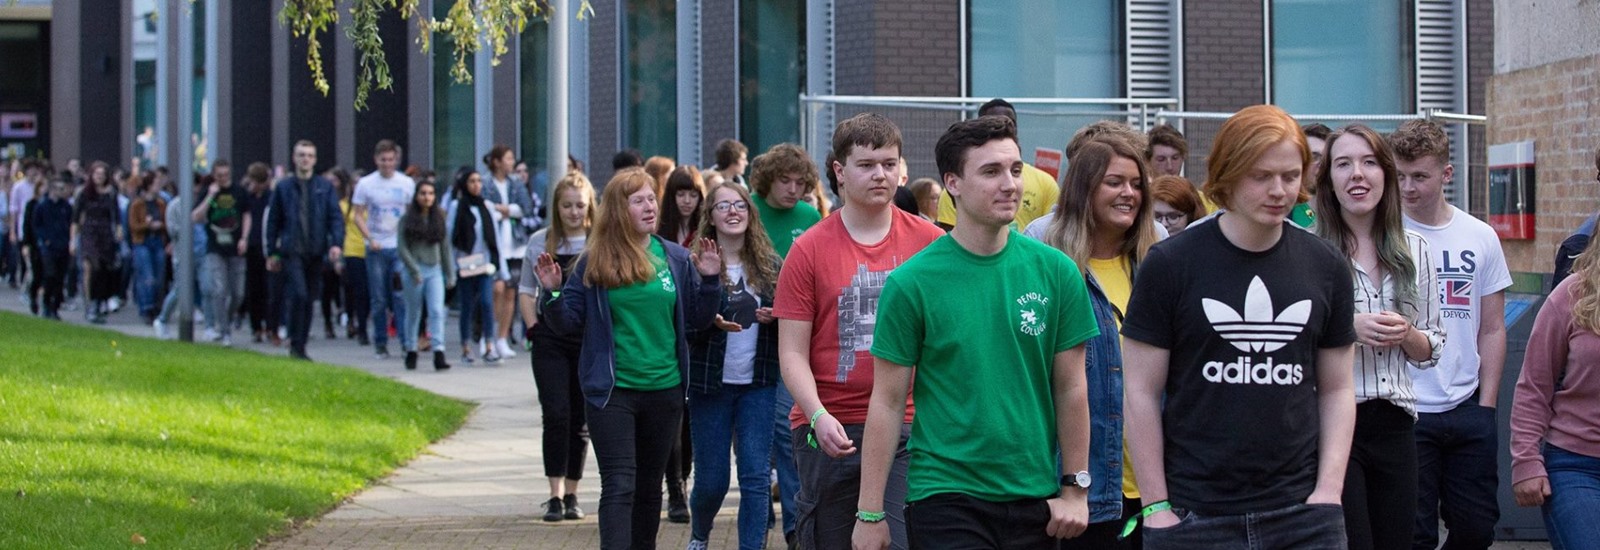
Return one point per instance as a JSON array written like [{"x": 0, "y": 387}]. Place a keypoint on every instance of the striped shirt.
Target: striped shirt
[{"x": 1380, "y": 373}]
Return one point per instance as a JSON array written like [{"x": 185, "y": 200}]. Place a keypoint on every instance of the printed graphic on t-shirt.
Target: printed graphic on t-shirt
[
  {"x": 665, "y": 276},
  {"x": 1030, "y": 307},
  {"x": 858, "y": 316},
  {"x": 1255, "y": 329},
  {"x": 741, "y": 305},
  {"x": 1456, "y": 269}
]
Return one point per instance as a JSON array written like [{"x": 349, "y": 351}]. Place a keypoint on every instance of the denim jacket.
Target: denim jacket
[
  {"x": 585, "y": 310},
  {"x": 1103, "y": 362},
  {"x": 707, "y": 347}
]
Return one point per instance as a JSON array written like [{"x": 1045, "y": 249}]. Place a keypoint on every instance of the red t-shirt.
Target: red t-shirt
[{"x": 828, "y": 277}]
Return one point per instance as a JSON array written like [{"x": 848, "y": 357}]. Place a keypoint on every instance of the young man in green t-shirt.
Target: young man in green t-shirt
[
  {"x": 779, "y": 178},
  {"x": 999, "y": 359}
]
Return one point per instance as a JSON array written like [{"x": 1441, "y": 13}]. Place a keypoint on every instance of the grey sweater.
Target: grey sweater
[{"x": 418, "y": 254}]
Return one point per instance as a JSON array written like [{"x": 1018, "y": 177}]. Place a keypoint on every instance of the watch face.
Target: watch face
[{"x": 1083, "y": 479}]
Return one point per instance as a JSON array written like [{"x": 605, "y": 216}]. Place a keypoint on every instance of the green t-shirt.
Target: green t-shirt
[
  {"x": 644, "y": 329},
  {"x": 984, "y": 351},
  {"x": 784, "y": 226},
  {"x": 1302, "y": 215}
]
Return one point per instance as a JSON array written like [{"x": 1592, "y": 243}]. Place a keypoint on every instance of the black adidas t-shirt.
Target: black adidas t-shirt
[{"x": 1243, "y": 329}]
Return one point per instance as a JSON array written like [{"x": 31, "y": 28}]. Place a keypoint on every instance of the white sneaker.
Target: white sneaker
[
  {"x": 695, "y": 545},
  {"x": 199, "y": 316},
  {"x": 211, "y": 335},
  {"x": 483, "y": 348},
  {"x": 116, "y": 304},
  {"x": 504, "y": 348},
  {"x": 161, "y": 329},
  {"x": 227, "y": 341},
  {"x": 283, "y": 333}
]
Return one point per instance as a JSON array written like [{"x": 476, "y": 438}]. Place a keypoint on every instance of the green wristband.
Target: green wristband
[
  {"x": 864, "y": 516},
  {"x": 820, "y": 411},
  {"x": 1153, "y": 509}
]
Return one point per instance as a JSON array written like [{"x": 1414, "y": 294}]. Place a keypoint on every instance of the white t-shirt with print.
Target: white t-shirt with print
[
  {"x": 1469, "y": 265},
  {"x": 386, "y": 200}
]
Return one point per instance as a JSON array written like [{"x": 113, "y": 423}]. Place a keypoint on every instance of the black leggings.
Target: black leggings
[
  {"x": 632, "y": 436},
  {"x": 555, "y": 373},
  {"x": 1380, "y": 485}
]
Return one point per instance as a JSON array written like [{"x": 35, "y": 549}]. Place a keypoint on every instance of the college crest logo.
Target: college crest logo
[{"x": 1031, "y": 310}]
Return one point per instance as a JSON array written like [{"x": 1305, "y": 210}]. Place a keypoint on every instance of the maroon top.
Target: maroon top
[{"x": 1563, "y": 415}]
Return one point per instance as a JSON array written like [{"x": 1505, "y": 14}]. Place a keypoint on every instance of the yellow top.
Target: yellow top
[
  {"x": 1039, "y": 195},
  {"x": 1115, "y": 279},
  {"x": 354, "y": 245}
]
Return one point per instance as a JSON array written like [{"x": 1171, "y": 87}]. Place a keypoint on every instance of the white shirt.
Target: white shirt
[
  {"x": 1469, "y": 265},
  {"x": 386, "y": 200},
  {"x": 502, "y": 224},
  {"x": 739, "y": 357},
  {"x": 1381, "y": 373}
]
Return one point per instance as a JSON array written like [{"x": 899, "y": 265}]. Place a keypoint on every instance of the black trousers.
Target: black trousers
[
  {"x": 51, "y": 274},
  {"x": 302, "y": 279},
  {"x": 1103, "y": 535},
  {"x": 257, "y": 296},
  {"x": 632, "y": 436},
  {"x": 1380, "y": 485},
  {"x": 555, "y": 374},
  {"x": 951, "y": 521}
]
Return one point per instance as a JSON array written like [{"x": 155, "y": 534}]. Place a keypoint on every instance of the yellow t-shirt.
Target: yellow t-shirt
[
  {"x": 1115, "y": 279},
  {"x": 354, "y": 245},
  {"x": 1039, "y": 195}
]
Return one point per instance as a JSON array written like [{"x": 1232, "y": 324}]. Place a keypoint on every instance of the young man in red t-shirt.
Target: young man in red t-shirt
[{"x": 827, "y": 305}]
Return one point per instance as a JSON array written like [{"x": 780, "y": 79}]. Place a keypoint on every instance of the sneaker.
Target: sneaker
[
  {"x": 227, "y": 340},
  {"x": 466, "y": 359},
  {"x": 381, "y": 352},
  {"x": 211, "y": 335},
  {"x": 116, "y": 304},
  {"x": 570, "y": 502},
  {"x": 161, "y": 329},
  {"x": 492, "y": 358},
  {"x": 504, "y": 348},
  {"x": 552, "y": 510},
  {"x": 695, "y": 545},
  {"x": 677, "y": 510},
  {"x": 283, "y": 333}
]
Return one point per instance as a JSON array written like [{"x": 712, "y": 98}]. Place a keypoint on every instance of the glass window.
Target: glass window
[
  {"x": 535, "y": 100},
  {"x": 453, "y": 108},
  {"x": 771, "y": 72},
  {"x": 1047, "y": 48},
  {"x": 650, "y": 77},
  {"x": 1335, "y": 57}
]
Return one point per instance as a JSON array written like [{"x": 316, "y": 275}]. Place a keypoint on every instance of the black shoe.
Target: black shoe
[
  {"x": 571, "y": 504},
  {"x": 438, "y": 361},
  {"x": 552, "y": 510},
  {"x": 361, "y": 338},
  {"x": 677, "y": 510},
  {"x": 382, "y": 352},
  {"x": 299, "y": 354},
  {"x": 792, "y": 539},
  {"x": 411, "y": 360}
]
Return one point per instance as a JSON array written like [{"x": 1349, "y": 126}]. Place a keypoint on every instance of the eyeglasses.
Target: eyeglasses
[
  {"x": 737, "y": 206},
  {"x": 1173, "y": 217}
]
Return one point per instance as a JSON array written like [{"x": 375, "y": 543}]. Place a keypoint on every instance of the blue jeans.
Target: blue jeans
[
  {"x": 736, "y": 415},
  {"x": 431, "y": 288},
  {"x": 1457, "y": 477},
  {"x": 383, "y": 266},
  {"x": 1573, "y": 509},
  {"x": 476, "y": 294},
  {"x": 149, "y": 273},
  {"x": 1298, "y": 526},
  {"x": 223, "y": 281},
  {"x": 783, "y": 455}
]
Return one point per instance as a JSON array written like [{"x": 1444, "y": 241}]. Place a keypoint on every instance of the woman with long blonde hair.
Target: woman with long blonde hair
[
  {"x": 555, "y": 357},
  {"x": 1555, "y": 454},
  {"x": 633, "y": 297}
]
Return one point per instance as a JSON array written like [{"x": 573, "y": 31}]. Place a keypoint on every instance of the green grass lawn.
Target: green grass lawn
[{"x": 105, "y": 439}]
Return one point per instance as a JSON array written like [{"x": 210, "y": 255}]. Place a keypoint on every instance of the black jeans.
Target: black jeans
[
  {"x": 959, "y": 522},
  {"x": 1104, "y": 535},
  {"x": 1295, "y": 527},
  {"x": 1457, "y": 476},
  {"x": 357, "y": 304},
  {"x": 555, "y": 374},
  {"x": 1380, "y": 484},
  {"x": 302, "y": 279},
  {"x": 257, "y": 294},
  {"x": 632, "y": 436}
]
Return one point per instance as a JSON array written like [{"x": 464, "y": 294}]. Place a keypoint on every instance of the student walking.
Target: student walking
[
  {"x": 477, "y": 256},
  {"x": 429, "y": 269},
  {"x": 304, "y": 230},
  {"x": 96, "y": 232},
  {"x": 225, "y": 214},
  {"x": 633, "y": 297},
  {"x": 379, "y": 201}
]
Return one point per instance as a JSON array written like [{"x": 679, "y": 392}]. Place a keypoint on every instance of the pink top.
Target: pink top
[{"x": 1563, "y": 415}]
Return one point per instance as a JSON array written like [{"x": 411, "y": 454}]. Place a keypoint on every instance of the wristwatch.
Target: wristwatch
[{"x": 1080, "y": 480}]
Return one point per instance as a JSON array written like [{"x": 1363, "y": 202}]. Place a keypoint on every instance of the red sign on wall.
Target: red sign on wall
[
  {"x": 1511, "y": 184},
  {"x": 1048, "y": 160}
]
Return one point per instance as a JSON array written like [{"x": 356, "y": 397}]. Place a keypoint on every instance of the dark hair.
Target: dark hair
[
  {"x": 304, "y": 143},
  {"x": 342, "y": 181},
  {"x": 728, "y": 151},
  {"x": 1316, "y": 130},
  {"x": 1166, "y": 135},
  {"x": 866, "y": 129},
  {"x": 827, "y": 170},
  {"x": 258, "y": 171},
  {"x": 221, "y": 163},
  {"x": 781, "y": 159},
  {"x": 385, "y": 146},
  {"x": 627, "y": 158},
  {"x": 950, "y": 153},
  {"x": 423, "y": 226},
  {"x": 682, "y": 178},
  {"x": 463, "y": 237},
  {"x": 999, "y": 107},
  {"x": 1388, "y": 231},
  {"x": 495, "y": 153}
]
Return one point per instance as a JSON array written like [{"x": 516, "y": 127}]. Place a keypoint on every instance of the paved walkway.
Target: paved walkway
[{"x": 481, "y": 487}]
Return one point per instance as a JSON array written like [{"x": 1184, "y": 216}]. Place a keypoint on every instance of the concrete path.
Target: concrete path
[{"x": 481, "y": 487}]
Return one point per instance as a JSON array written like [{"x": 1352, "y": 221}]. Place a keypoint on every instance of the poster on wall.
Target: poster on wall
[
  {"x": 19, "y": 125},
  {"x": 1511, "y": 184},
  {"x": 1048, "y": 160}
]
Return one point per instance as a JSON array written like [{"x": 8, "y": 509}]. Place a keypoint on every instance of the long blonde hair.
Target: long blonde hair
[
  {"x": 615, "y": 253},
  {"x": 556, "y": 236},
  {"x": 1073, "y": 229},
  {"x": 758, "y": 256},
  {"x": 1586, "y": 310}
]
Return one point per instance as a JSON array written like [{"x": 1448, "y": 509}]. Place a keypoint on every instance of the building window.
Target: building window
[
  {"x": 534, "y": 57},
  {"x": 1047, "y": 48},
  {"x": 650, "y": 81},
  {"x": 453, "y": 108},
  {"x": 1334, "y": 57},
  {"x": 771, "y": 72}
]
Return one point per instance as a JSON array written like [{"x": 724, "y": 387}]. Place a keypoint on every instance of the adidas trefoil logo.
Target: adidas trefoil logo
[{"x": 1256, "y": 329}]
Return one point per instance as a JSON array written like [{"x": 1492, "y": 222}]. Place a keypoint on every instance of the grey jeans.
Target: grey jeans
[
  {"x": 1298, "y": 526},
  {"x": 222, "y": 278},
  {"x": 825, "y": 508}
]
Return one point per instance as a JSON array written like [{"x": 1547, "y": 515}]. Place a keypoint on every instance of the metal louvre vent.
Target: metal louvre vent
[
  {"x": 1441, "y": 78},
  {"x": 1152, "y": 63}
]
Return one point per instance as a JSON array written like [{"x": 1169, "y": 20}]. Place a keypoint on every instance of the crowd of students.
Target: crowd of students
[{"x": 1303, "y": 351}]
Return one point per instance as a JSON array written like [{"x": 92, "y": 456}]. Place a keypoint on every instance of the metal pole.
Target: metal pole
[
  {"x": 557, "y": 153},
  {"x": 179, "y": 24}
]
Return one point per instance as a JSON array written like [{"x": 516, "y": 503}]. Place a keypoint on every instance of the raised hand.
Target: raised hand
[
  {"x": 548, "y": 271},
  {"x": 709, "y": 259},
  {"x": 726, "y": 325}
]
